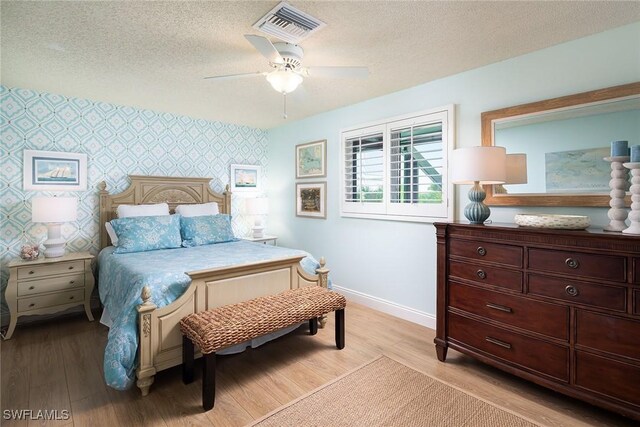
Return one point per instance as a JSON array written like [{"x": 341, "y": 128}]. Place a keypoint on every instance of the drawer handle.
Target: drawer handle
[
  {"x": 481, "y": 251},
  {"x": 31, "y": 272},
  {"x": 572, "y": 291},
  {"x": 71, "y": 267},
  {"x": 499, "y": 307},
  {"x": 498, "y": 342},
  {"x": 71, "y": 297},
  {"x": 72, "y": 282},
  {"x": 572, "y": 263},
  {"x": 32, "y": 305},
  {"x": 481, "y": 274},
  {"x": 31, "y": 288}
]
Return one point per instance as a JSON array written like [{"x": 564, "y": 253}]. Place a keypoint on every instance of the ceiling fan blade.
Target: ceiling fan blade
[
  {"x": 265, "y": 47},
  {"x": 338, "y": 72},
  {"x": 236, "y": 76}
]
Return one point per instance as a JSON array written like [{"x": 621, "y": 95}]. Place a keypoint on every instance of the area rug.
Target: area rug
[{"x": 385, "y": 392}]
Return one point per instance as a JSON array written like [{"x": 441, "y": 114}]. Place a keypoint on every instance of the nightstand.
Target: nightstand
[
  {"x": 49, "y": 285},
  {"x": 264, "y": 239}
]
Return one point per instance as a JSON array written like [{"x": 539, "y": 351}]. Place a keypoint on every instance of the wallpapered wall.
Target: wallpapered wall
[{"x": 118, "y": 141}]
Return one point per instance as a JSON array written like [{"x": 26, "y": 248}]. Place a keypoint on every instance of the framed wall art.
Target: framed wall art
[
  {"x": 54, "y": 171},
  {"x": 245, "y": 178},
  {"x": 311, "y": 199},
  {"x": 311, "y": 159}
]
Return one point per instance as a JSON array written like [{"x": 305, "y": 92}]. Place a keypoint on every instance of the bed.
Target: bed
[{"x": 210, "y": 281}]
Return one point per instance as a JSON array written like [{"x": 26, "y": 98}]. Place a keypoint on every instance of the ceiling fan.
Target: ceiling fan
[{"x": 288, "y": 72}]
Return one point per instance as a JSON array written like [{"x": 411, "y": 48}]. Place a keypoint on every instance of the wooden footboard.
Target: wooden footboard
[{"x": 160, "y": 345}]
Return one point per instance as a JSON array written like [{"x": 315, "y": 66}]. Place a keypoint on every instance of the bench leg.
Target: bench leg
[
  {"x": 313, "y": 326},
  {"x": 187, "y": 360},
  {"x": 340, "y": 329},
  {"x": 208, "y": 381}
]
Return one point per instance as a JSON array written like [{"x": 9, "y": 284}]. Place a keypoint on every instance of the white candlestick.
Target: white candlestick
[
  {"x": 634, "y": 216},
  {"x": 619, "y": 175}
]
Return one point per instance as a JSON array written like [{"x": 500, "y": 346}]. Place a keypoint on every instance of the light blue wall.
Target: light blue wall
[
  {"x": 118, "y": 141},
  {"x": 395, "y": 261}
]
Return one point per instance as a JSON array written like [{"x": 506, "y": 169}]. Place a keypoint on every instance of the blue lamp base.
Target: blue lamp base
[{"x": 476, "y": 211}]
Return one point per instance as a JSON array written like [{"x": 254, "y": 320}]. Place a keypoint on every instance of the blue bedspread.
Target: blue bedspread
[{"x": 122, "y": 277}]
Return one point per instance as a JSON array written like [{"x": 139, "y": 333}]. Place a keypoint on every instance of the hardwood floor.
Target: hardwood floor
[{"x": 58, "y": 365}]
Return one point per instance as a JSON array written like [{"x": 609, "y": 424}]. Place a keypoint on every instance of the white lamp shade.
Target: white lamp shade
[
  {"x": 54, "y": 209},
  {"x": 516, "y": 168},
  {"x": 284, "y": 81},
  {"x": 257, "y": 206},
  {"x": 487, "y": 165}
]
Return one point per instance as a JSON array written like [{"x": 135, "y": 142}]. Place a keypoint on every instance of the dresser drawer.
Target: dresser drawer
[
  {"x": 608, "y": 377},
  {"x": 579, "y": 264},
  {"x": 45, "y": 270},
  {"x": 493, "y": 276},
  {"x": 50, "y": 300},
  {"x": 636, "y": 301},
  {"x": 535, "y": 316},
  {"x": 607, "y": 333},
  {"x": 527, "y": 353},
  {"x": 59, "y": 283},
  {"x": 487, "y": 252},
  {"x": 611, "y": 297}
]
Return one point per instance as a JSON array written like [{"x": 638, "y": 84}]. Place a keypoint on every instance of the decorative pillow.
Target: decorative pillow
[
  {"x": 112, "y": 233},
  {"x": 198, "y": 210},
  {"x": 126, "y": 211},
  {"x": 147, "y": 233},
  {"x": 203, "y": 230}
]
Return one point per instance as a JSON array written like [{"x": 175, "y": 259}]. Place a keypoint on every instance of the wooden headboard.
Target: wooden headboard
[{"x": 159, "y": 189}]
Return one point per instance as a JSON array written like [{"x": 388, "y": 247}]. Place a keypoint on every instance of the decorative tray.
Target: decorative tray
[{"x": 566, "y": 222}]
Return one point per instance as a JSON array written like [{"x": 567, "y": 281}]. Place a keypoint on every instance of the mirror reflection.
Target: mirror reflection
[{"x": 565, "y": 147}]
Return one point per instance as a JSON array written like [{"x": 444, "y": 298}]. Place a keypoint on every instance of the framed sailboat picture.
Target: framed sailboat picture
[{"x": 54, "y": 171}]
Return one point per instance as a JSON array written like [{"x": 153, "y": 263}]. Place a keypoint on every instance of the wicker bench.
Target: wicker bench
[{"x": 222, "y": 327}]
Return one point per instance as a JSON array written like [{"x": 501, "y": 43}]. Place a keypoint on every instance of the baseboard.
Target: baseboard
[{"x": 392, "y": 308}]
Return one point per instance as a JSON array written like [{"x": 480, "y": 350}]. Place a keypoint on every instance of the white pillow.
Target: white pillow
[
  {"x": 112, "y": 233},
  {"x": 125, "y": 211},
  {"x": 198, "y": 210}
]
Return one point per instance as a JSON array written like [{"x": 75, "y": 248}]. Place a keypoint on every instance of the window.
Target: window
[{"x": 397, "y": 169}]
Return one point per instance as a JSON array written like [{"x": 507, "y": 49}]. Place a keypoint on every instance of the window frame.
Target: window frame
[{"x": 386, "y": 210}]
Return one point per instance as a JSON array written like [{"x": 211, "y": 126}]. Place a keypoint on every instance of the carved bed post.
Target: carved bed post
[
  {"x": 146, "y": 371},
  {"x": 323, "y": 281}
]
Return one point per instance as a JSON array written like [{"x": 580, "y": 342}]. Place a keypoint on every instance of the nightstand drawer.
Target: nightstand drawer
[
  {"x": 50, "y": 300},
  {"x": 43, "y": 270},
  {"x": 30, "y": 287}
]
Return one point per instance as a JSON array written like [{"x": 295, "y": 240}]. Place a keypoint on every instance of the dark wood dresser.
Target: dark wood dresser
[{"x": 559, "y": 308}]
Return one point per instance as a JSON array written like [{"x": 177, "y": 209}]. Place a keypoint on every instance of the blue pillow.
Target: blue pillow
[
  {"x": 204, "y": 230},
  {"x": 147, "y": 233}
]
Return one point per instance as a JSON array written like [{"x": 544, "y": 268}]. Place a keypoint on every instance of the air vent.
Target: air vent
[{"x": 288, "y": 23}]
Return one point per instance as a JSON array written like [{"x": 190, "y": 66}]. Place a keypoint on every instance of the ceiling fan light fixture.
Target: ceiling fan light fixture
[{"x": 284, "y": 81}]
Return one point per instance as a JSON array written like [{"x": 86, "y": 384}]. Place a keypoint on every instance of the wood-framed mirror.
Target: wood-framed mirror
[{"x": 565, "y": 140}]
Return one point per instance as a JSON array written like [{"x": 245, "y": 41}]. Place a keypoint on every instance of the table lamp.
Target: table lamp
[
  {"x": 54, "y": 211},
  {"x": 516, "y": 172},
  {"x": 478, "y": 165},
  {"x": 257, "y": 207}
]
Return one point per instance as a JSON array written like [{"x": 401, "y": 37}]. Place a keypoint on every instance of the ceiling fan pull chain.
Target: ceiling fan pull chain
[{"x": 284, "y": 97}]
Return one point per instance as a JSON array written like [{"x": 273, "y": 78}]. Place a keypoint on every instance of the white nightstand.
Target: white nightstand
[
  {"x": 49, "y": 285},
  {"x": 264, "y": 239}
]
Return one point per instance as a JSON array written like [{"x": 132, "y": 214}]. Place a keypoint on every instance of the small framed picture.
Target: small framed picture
[
  {"x": 311, "y": 199},
  {"x": 245, "y": 178},
  {"x": 311, "y": 159},
  {"x": 54, "y": 171}
]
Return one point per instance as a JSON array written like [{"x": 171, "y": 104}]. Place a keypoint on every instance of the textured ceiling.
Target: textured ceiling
[{"x": 155, "y": 54}]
